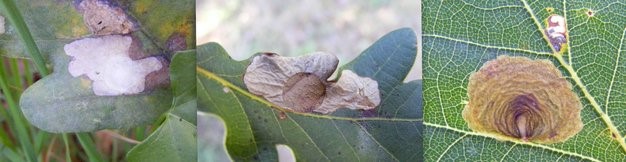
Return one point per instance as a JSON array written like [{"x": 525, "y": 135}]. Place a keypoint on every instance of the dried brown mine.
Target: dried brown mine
[
  {"x": 104, "y": 18},
  {"x": 522, "y": 98},
  {"x": 300, "y": 83}
]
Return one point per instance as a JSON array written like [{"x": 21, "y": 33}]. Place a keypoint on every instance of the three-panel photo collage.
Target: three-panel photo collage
[{"x": 312, "y": 80}]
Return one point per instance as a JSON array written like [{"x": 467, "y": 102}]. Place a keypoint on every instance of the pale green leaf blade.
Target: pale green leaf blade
[
  {"x": 174, "y": 140},
  {"x": 182, "y": 78},
  {"x": 459, "y": 36},
  {"x": 211, "y": 138}
]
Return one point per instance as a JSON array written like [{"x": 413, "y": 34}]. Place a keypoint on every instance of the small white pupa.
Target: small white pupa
[{"x": 106, "y": 61}]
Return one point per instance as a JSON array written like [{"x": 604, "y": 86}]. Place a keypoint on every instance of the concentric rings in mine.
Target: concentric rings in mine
[{"x": 522, "y": 98}]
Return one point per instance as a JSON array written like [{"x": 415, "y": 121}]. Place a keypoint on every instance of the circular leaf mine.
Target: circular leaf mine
[{"x": 522, "y": 98}]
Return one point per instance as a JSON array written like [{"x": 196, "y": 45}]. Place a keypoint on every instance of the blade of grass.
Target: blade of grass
[
  {"x": 15, "y": 73},
  {"x": 27, "y": 72},
  {"x": 13, "y": 15},
  {"x": 89, "y": 147},
  {"x": 21, "y": 128},
  {"x": 13, "y": 156},
  {"x": 68, "y": 155},
  {"x": 140, "y": 133},
  {"x": 39, "y": 139}
]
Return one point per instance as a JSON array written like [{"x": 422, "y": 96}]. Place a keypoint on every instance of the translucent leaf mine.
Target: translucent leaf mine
[
  {"x": 103, "y": 17},
  {"x": 106, "y": 61},
  {"x": 351, "y": 91},
  {"x": 300, "y": 83},
  {"x": 522, "y": 98},
  {"x": 557, "y": 32}
]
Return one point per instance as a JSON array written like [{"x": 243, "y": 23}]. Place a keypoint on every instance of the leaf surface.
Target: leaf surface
[
  {"x": 174, "y": 140},
  {"x": 254, "y": 126},
  {"x": 62, "y": 103},
  {"x": 459, "y": 36}
]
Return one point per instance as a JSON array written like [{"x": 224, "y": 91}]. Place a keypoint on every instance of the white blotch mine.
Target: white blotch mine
[
  {"x": 105, "y": 60},
  {"x": 351, "y": 91},
  {"x": 226, "y": 89},
  {"x": 2, "y": 30},
  {"x": 300, "y": 84}
]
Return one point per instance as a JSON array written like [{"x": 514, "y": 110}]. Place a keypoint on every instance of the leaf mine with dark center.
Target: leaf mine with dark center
[
  {"x": 522, "y": 98},
  {"x": 103, "y": 17},
  {"x": 300, "y": 84}
]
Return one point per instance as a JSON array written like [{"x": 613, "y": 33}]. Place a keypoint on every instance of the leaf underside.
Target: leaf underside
[
  {"x": 254, "y": 127},
  {"x": 459, "y": 36}
]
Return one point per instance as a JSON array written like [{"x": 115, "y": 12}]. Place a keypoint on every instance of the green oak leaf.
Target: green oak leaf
[
  {"x": 211, "y": 138},
  {"x": 182, "y": 76},
  {"x": 459, "y": 36},
  {"x": 62, "y": 103},
  {"x": 392, "y": 132},
  {"x": 174, "y": 140}
]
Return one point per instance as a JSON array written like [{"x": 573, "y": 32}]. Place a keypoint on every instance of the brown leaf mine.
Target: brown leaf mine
[
  {"x": 300, "y": 83},
  {"x": 557, "y": 32},
  {"x": 104, "y": 18},
  {"x": 106, "y": 61},
  {"x": 522, "y": 98},
  {"x": 351, "y": 91}
]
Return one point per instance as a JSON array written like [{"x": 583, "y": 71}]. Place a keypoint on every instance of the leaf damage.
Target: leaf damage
[
  {"x": 107, "y": 62},
  {"x": 557, "y": 32},
  {"x": 300, "y": 83},
  {"x": 522, "y": 98},
  {"x": 104, "y": 17}
]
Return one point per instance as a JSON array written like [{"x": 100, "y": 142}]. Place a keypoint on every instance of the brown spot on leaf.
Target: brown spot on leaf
[
  {"x": 527, "y": 99},
  {"x": 590, "y": 13},
  {"x": 282, "y": 116},
  {"x": 176, "y": 42},
  {"x": 103, "y": 17}
]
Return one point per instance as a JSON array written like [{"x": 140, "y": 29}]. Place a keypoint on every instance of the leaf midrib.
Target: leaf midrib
[
  {"x": 232, "y": 86},
  {"x": 574, "y": 75}
]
